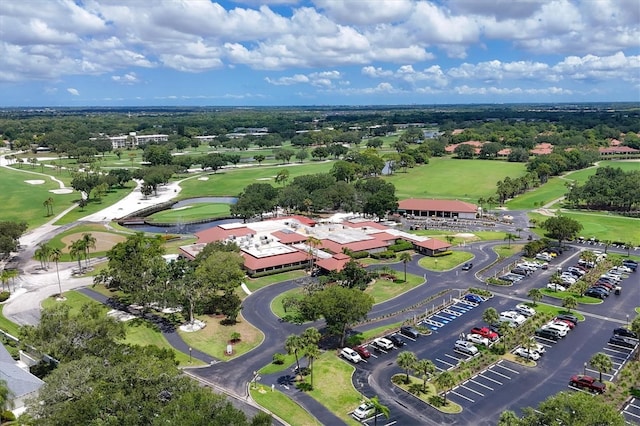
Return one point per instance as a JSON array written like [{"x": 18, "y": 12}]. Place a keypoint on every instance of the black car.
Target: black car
[
  {"x": 622, "y": 341},
  {"x": 520, "y": 271},
  {"x": 548, "y": 334},
  {"x": 467, "y": 266},
  {"x": 396, "y": 340},
  {"x": 624, "y": 332},
  {"x": 631, "y": 264},
  {"x": 592, "y": 292},
  {"x": 410, "y": 332},
  {"x": 568, "y": 317}
]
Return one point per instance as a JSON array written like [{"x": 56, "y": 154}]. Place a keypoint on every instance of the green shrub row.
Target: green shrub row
[
  {"x": 442, "y": 253},
  {"x": 4, "y": 296},
  {"x": 388, "y": 254},
  {"x": 401, "y": 245}
]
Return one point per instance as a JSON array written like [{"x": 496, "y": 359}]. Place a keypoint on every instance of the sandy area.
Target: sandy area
[
  {"x": 465, "y": 235},
  {"x": 104, "y": 240},
  {"x": 203, "y": 178},
  {"x": 61, "y": 191},
  {"x": 34, "y": 182}
]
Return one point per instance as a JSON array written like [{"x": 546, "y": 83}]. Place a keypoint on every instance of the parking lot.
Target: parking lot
[
  {"x": 485, "y": 383},
  {"x": 631, "y": 411}
]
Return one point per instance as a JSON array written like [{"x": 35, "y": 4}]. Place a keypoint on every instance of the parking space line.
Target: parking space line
[
  {"x": 499, "y": 374},
  {"x": 596, "y": 371},
  {"x": 490, "y": 379},
  {"x": 631, "y": 414},
  {"x": 471, "y": 389},
  {"x": 407, "y": 337},
  {"x": 452, "y": 357},
  {"x": 616, "y": 350},
  {"x": 480, "y": 384},
  {"x": 445, "y": 362},
  {"x": 461, "y": 396},
  {"x": 508, "y": 369}
]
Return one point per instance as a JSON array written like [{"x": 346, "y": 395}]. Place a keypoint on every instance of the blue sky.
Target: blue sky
[{"x": 318, "y": 52}]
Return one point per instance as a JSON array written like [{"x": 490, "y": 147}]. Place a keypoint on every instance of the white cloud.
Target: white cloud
[
  {"x": 128, "y": 78},
  {"x": 73, "y": 91},
  {"x": 324, "y": 79},
  {"x": 366, "y": 13}
]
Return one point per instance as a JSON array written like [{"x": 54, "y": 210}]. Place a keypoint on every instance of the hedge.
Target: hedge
[{"x": 4, "y": 296}]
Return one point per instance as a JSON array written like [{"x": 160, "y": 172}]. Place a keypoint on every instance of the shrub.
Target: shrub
[
  {"x": 436, "y": 400},
  {"x": 278, "y": 358},
  {"x": 304, "y": 386},
  {"x": 358, "y": 255},
  {"x": 388, "y": 254},
  {"x": 7, "y": 416},
  {"x": 442, "y": 253},
  {"x": 415, "y": 388},
  {"x": 4, "y": 296},
  {"x": 401, "y": 245},
  {"x": 398, "y": 379}
]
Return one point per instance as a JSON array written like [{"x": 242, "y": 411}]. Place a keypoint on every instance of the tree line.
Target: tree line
[{"x": 608, "y": 189}]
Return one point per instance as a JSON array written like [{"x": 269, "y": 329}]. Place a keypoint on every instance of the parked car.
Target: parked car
[
  {"x": 589, "y": 383},
  {"x": 362, "y": 351},
  {"x": 474, "y": 298},
  {"x": 539, "y": 348},
  {"x": 624, "y": 332},
  {"x": 631, "y": 264},
  {"x": 592, "y": 292},
  {"x": 521, "y": 271},
  {"x": 525, "y": 310},
  {"x": 485, "y": 332},
  {"x": 546, "y": 333},
  {"x": 568, "y": 317},
  {"x": 512, "y": 317},
  {"x": 531, "y": 354},
  {"x": 564, "y": 322},
  {"x": 562, "y": 330},
  {"x": 478, "y": 339},
  {"x": 396, "y": 340},
  {"x": 364, "y": 411},
  {"x": 350, "y": 355},
  {"x": 556, "y": 287},
  {"x": 465, "y": 347},
  {"x": 383, "y": 343},
  {"x": 467, "y": 266},
  {"x": 409, "y": 331},
  {"x": 622, "y": 341}
]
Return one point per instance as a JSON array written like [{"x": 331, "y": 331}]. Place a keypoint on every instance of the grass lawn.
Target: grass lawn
[
  {"x": 105, "y": 239},
  {"x": 94, "y": 206},
  {"x": 382, "y": 289},
  {"x": 554, "y": 310},
  {"x": 282, "y": 406},
  {"x": 375, "y": 332},
  {"x": 445, "y": 263},
  {"x": 332, "y": 386},
  {"x": 289, "y": 361},
  {"x": 171, "y": 247},
  {"x": 192, "y": 212},
  {"x": 254, "y": 284},
  {"x": 75, "y": 301},
  {"x": 562, "y": 294},
  {"x": 450, "y": 408},
  {"x": 230, "y": 182},
  {"x": 276, "y": 303},
  {"x": 508, "y": 251},
  {"x": 446, "y": 177},
  {"x": 598, "y": 225},
  {"x": 213, "y": 339},
  {"x": 8, "y": 326}
]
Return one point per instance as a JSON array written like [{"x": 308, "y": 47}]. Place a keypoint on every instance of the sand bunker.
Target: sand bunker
[
  {"x": 34, "y": 182},
  {"x": 465, "y": 235},
  {"x": 268, "y": 178},
  {"x": 203, "y": 178},
  {"x": 61, "y": 191},
  {"x": 191, "y": 327}
]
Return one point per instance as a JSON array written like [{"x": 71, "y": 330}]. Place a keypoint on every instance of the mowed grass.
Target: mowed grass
[
  {"x": 598, "y": 225},
  {"x": 283, "y": 406},
  {"x": 446, "y": 177},
  {"x": 383, "y": 289},
  {"x": 192, "y": 212},
  {"x": 445, "y": 263},
  {"x": 8, "y": 326},
  {"x": 254, "y": 284}
]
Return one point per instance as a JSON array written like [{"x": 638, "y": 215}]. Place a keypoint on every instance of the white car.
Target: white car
[
  {"x": 562, "y": 331},
  {"x": 382, "y": 343},
  {"x": 556, "y": 287},
  {"x": 364, "y": 411},
  {"x": 527, "y": 354},
  {"x": 351, "y": 355},
  {"x": 539, "y": 348},
  {"x": 476, "y": 338},
  {"x": 525, "y": 310},
  {"x": 623, "y": 269},
  {"x": 512, "y": 317},
  {"x": 465, "y": 347}
]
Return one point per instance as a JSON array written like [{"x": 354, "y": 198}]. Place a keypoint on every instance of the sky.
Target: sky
[{"x": 317, "y": 52}]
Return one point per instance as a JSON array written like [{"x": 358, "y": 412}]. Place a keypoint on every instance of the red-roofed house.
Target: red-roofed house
[
  {"x": 477, "y": 146},
  {"x": 438, "y": 208},
  {"x": 333, "y": 263},
  {"x": 259, "y": 265},
  {"x": 542, "y": 149},
  {"x": 619, "y": 152},
  {"x": 431, "y": 247}
]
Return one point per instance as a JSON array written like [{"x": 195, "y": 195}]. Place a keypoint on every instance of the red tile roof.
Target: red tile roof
[
  {"x": 254, "y": 263},
  {"x": 334, "y": 263},
  {"x": 218, "y": 234},
  {"x": 437, "y": 205},
  {"x": 476, "y": 144},
  {"x": 302, "y": 219},
  {"x": 433, "y": 244},
  {"x": 356, "y": 246},
  {"x": 504, "y": 152},
  {"x": 363, "y": 224},
  {"x": 289, "y": 237},
  {"x": 618, "y": 150},
  {"x": 542, "y": 149},
  {"x": 614, "y": 142}
]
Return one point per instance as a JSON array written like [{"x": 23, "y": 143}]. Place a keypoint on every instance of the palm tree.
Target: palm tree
[
  {"x": 405, "y": 257},
  {"x": 406, "y": 360},
  {"x": 601, "y": 362},
  {"x": 39, "y": 255},
  {"x": 569, "y": 302},
  {"x": 11, "y": 274},
  {"x": 508, "y": 418},
  {"x": 293, "y": 344},
  {"x": 378, "y": 408},
  {"x": 505, "y": 331},
  {"x": 5, "y": 396},
  {"x": 449, "y": 238},
  {"x": 282, "y": 176},
  {"x": 311, "y": 336},
  {"x": 89, "y": 243},
  {"x": 312, "y": 352},
  {"x": 426, "y": 368},
  {"x": 445, "y": 381},
  {"x": 76, "y": 250},
  {"x": 519, "y": 230},
  {"x": 55, "y": 256},
  {"x": 528, "y": 343},
  {"x": 313, "y": 244},
  {"x": 510, "y": 237},
  {"x": 535, "y": 294},
  {"x": 490, "y": 316},
  {"x": 45, "y": 203},
  {"x": 4, "y": 277}
]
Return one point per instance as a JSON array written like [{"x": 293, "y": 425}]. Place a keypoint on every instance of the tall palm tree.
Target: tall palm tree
[
  {"x": 89, "y": 243},
  {"x": 601, "y": 362},
  {"x": 311, "y": 336},
  {"x": 313, "y": 244},
  {"x": 293, "y": 344},
  {"x": 55, "y": 256},
  {"x": 405, "y": 257},
  {"x": 569, "y": 302},
  {"x": 11, "y": 274},
  {"x": 378, "y": 408},
  {"x": 76, "y": 250},
  {"x": 45, "y": 250},
  {"x": 426, "y": 368},
  {"x": 406, "y": 360},
  {"x": 528, "y": 343},
  {"x": 535, "y": 294},
  {"x": 490, "y": 316},
  {"x": 510, "y": 237},
  {"x": 312, "y": 352},
  {"x": 445, "y": 381},
  {"x": 4, "y": 277}
]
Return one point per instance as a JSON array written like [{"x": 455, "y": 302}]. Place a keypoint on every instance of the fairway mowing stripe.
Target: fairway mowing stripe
[
  {"x": 492, "y": 380},
  {"x": 461, "y": 396},
  {"x": 445, "y": 362},
  {"x": 480, "y": 384},
  {"x": 499, "y": 374},
  {"x": 508, "y": 369},
  {"x": 471, "y": 389}
]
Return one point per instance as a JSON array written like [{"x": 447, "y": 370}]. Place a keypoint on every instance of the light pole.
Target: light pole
[
  {"x": 190, "y": 354},
  {"x": 584, "y": 369},
  {"x": 627, "y": 320}
]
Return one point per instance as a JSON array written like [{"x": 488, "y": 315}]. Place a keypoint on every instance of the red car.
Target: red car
[
  {"x": 563, "y": 321},
  {"x": 485, "y": 332},
  {"x": 362, "y": 351},
  {"x": 581, "y": 381}
]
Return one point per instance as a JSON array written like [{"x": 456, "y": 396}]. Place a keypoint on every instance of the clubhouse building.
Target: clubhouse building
[
  {"x": 429, "y": 208},
  {"x": 296, "y": 242}
]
